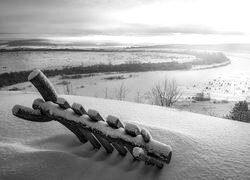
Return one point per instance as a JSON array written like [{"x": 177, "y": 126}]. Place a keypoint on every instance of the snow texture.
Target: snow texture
[{"x": 203, "y": 147}]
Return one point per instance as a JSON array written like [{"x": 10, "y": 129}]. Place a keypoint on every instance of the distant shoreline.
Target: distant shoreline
[
  {"x": 203, "y": 61},
  {"x": 211, "y": 66},
  {"x": 12, "y": 78}
]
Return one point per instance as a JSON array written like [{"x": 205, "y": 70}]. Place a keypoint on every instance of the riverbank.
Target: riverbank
[{"x": 207, "y": 60}]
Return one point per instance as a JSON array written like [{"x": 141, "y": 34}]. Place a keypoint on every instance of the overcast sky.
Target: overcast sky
[{"x": 143, "y": 19}]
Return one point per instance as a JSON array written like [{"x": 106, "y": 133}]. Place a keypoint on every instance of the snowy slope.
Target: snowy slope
[{"x": 203, "y": 147}]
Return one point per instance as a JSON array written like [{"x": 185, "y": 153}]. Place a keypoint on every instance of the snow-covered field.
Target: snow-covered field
[{"x": 204, "y": 147}]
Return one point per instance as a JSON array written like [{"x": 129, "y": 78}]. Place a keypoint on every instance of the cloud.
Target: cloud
[
  {"x": 86, "y": 17},
  {"x": 148, "y": 30}
]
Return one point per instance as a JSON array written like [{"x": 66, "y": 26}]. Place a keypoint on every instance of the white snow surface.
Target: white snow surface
[{"x": 204, "y": 147}]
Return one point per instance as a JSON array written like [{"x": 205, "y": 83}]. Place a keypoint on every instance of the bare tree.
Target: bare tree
[
  {"x": 121, "y": 92},
  {"x": 139, "y": 96},
  {"x": 165, "y": 94},
  {"x": 68, "y": 89},
  {"x": 106, "y": 93}
]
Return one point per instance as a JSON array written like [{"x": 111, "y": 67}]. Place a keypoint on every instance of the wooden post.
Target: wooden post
[
  {"x": 105, "y": 143},
  {"x": 43, "y": 85},
  {"x": 74, "y": 129},
  {"x": 95, "y": 116},
  {"x": 92, "y": 139},
  {"x": 121, "y": 150}
]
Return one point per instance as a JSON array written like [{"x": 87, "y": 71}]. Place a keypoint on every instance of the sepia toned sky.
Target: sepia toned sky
[{"x": 142, "y": 20}]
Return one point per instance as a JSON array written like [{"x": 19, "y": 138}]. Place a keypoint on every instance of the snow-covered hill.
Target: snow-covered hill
[{"x": 204, "y": 147}]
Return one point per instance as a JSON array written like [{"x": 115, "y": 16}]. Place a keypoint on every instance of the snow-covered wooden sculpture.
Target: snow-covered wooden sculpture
[{"x": 90, "y": 126}]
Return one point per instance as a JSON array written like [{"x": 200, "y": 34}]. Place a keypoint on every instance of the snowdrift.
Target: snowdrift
[{"x": 203, "y": 147}]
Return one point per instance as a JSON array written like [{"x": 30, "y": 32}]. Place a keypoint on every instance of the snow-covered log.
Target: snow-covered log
[
  {"x": 29, "y": 114},
  {"x": 62, "y": 103},
  {"x": 114, "y": 122},
  {"x": 139, "y": 154},
  {"x": 94, "y": 115},
  {"x": 132, "y": 129},
  {"x": 78, "y": 109},
  {"x": 73, "y": 128},
  {"x": 153, "y": 148},
  {"x": 43, "y": 85},
  {"x": 36, "y": 103},
  {"x": 145, "y": 135},
  {"x": 121, "y": 150},
  {"x": 92, "y": 139},
  {"x": 105, "y": 143}
]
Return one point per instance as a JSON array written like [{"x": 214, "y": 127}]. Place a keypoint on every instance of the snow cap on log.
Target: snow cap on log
[
  {"x": 94, "y": 115},
  {"x": 146, "y": 135},
  {"x": 43, "y": 85},
  {"x": 62, "y": 103},
  {"x": 132, "y": 129},
  {"x": 78, "y": 109},
  {"x": 114, "y": 122}
]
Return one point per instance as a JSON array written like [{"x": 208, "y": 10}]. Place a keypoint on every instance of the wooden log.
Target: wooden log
[
  {"x": 94, "y": 115},
  {"x": 146, "y": 135},
  {"x": 36, "y": 116},
  {"x": 141, "y": 155},
  {"x": 132, "y": 129},
  {"x": 121, "y": 150},
  {"x": 62, "y": 103},
  {"x": 73, "y": 128},
  {"x": 36, "y": 103},
  {"x": 29, "y": 114},
  {"x": 78, "y": 109},
  {"x": 92, "y": 139},
  {"x": 43, "y": 85},
  {"x": 156, "y": 149},
  {"x": 105, "y": 143},
  {"x": 114, "y": 122}
]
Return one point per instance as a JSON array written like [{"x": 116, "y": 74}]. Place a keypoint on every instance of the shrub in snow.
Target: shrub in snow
[
  {"x": 240, "y": 112},
  {"x": 165, "y": 94}
]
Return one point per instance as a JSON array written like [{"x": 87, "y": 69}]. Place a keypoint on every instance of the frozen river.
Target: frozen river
[{"x": 231, "y": 82}]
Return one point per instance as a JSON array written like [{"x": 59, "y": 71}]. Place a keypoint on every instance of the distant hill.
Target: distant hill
[{"x": 243, "y": 48}]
